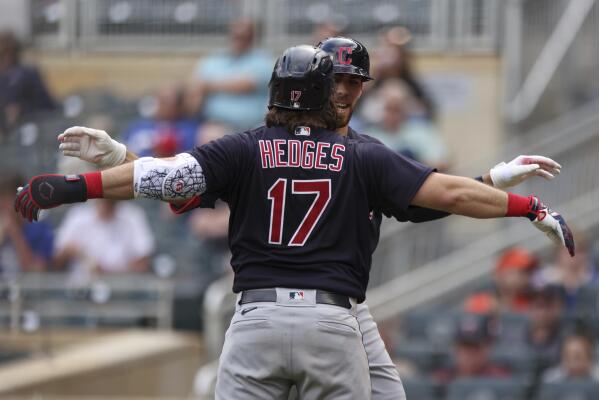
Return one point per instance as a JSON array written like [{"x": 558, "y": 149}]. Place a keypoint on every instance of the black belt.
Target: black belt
[{"x": 270, "y": 295}]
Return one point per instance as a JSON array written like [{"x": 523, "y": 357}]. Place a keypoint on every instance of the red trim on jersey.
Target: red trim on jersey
[
  {"x": 337, "y": 157},
  {"x": 308, "y": 155},
  {"x": 277, "y": 143},
  {"x": 320, "y": 154},
  {"x": 266, "y": 153},
  {"x": 294, "y": 155},
  {"x": 192, "y": 203}
]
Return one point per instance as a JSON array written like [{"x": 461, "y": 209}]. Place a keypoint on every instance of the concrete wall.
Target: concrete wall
[{"x": 124, "y": 363}]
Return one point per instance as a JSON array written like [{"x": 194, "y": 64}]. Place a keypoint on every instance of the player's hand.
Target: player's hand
[
  {"x": 505, "y": 175},
  {"x": 92, "y": 145},
  {"x": 25, "y": 205},
  {"x": 552, "y": 224},
  {"x": 48, "y": 191}
]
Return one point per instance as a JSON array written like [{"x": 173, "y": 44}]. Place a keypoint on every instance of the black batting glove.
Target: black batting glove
[{"x": 49, "y": 191}]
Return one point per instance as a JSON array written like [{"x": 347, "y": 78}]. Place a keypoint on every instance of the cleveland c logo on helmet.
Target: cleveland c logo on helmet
[
  {"x": 350, "y": 56},
  {"x": 343, "y": 55}
]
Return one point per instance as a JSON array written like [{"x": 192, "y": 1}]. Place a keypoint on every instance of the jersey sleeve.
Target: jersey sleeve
[
  {"x": 223, "y": 161},
  {"x": 392, "y": 179}
]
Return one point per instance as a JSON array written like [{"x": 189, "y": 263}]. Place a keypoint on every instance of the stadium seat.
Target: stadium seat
[
  {"x": 486, "y": 389},
  {"x": 588, "y": 299},
  {"x": 511, "y": 325},
  {"x": 579, "y": 390},
  {"x": 424, "y": 355},
  {"x": 518, "y": 359},
  {"x": 435, "y": 326},
  {"x": 421, "y": 389}
]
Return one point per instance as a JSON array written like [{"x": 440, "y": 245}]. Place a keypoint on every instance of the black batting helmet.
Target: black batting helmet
[
  {"x": 349, "y": 56},
  {"x": 302, "y": 79}
]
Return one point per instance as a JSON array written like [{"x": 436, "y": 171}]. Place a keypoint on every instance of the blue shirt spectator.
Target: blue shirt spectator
[
  {"x": 22, "y": 89},
  {"x": 167, "y": 133},
  {"x": 23, "y": 246},
  {"x": 231, "y": 85}
]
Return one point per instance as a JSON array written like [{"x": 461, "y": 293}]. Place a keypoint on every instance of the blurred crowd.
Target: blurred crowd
[
  {"x": 226, "y": 92},
  {"x": 534, "y": 324},
  {"x": 534, "y": 321}
]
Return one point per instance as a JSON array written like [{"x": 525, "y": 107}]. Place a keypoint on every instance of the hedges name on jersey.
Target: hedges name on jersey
[{"x": 294, "y": 196}]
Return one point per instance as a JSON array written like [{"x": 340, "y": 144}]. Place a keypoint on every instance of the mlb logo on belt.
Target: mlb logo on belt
[{"x": 296, "y": 295}]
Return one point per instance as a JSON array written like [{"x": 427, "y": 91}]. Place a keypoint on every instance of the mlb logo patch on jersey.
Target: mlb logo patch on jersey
[
  {"x": 302, "y": 131},
  {"x": 296, "y": 296}
]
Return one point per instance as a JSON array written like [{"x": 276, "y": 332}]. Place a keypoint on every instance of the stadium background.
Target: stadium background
[{"x": 505, "y": 77}]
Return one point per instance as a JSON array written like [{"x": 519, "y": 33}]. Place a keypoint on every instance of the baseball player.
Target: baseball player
[
  {"x": 300, "y": 196},
  {"x": 351, "y": 67}
]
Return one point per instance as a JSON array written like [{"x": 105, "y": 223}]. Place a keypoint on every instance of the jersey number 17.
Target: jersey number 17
[{"x": 277, "y": 194}]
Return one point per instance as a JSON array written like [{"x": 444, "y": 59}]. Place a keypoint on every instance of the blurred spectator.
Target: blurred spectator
[
  {"x": 472, "y": 344},
  {"x": 543, "y": 333},
  {"x": 392, "y": 61},
  {"x": 168, "y": 132},
  {"x": 577, "y": 361},
  {"x": 104, "y": 236},
  {"x": 101, "y": 236},
  {"x": 324, "y": 30},
  {"x": 571, "y": 272},
  {"x": 231, "y": 87},
  {"x": 412, "y": 136},
  {"x": 23, "y": 246},
  {"x": 22, "y": 89},
  {"x": 512, "y": 283}
]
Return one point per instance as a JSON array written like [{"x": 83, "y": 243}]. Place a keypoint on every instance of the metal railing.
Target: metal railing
[
  {"x": 464, "y": 252},
  {"x": 39, "y": 301},
  {"x": 201, "y": 25},
  {"x": 571, "y": 140},
  {"x": 551, "y": 58}
]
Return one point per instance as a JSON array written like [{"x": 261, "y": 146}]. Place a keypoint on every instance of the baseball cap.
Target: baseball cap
[
  {"x": 516, "y": 258},
  {"x": 473, "y": 329}
]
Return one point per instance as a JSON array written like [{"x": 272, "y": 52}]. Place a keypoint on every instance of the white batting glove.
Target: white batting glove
[
  {"x": 92, "y": 145},
  {"x": 552, "y": 224},
  {"x": 521, "y": 168}
]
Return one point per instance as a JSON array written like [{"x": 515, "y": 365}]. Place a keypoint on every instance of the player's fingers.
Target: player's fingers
[
  {"x": 21, "y": 203},
  {"x": 72, "y": 146},
  {"x": 543, "y": 161},
  {"x": 553, "y": 171},
  {"x": 544, "y": 174},
  {"x": 30, "y": 211},
  {"x": 74, "y": 130},
  {"x": 72, "y": 153},
  {"x": 521, "y": 170}
]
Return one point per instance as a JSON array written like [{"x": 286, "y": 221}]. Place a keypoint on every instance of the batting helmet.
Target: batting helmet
[
  {"x": 302, "y": 79},
  {"x": 349, "y": 56}
]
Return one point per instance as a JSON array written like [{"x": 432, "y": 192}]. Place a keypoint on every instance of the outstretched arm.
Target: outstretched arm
[
  {"x": 175, "y": 180},
  {"x": 502, "y": 176},
  {"x": 463, "y": 196}
]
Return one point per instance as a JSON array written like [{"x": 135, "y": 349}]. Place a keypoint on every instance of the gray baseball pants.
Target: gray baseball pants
[
  {"x": 271, "y": 346},
  {"x": 384, "y": 378}
]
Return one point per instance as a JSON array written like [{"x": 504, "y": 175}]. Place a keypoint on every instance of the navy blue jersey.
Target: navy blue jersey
[
  {"x": 413, "y": 213},
  {"x": 301, "y": 205}
]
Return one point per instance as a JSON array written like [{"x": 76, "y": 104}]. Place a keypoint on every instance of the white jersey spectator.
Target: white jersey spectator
[{"x": 104, "y": 236}]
